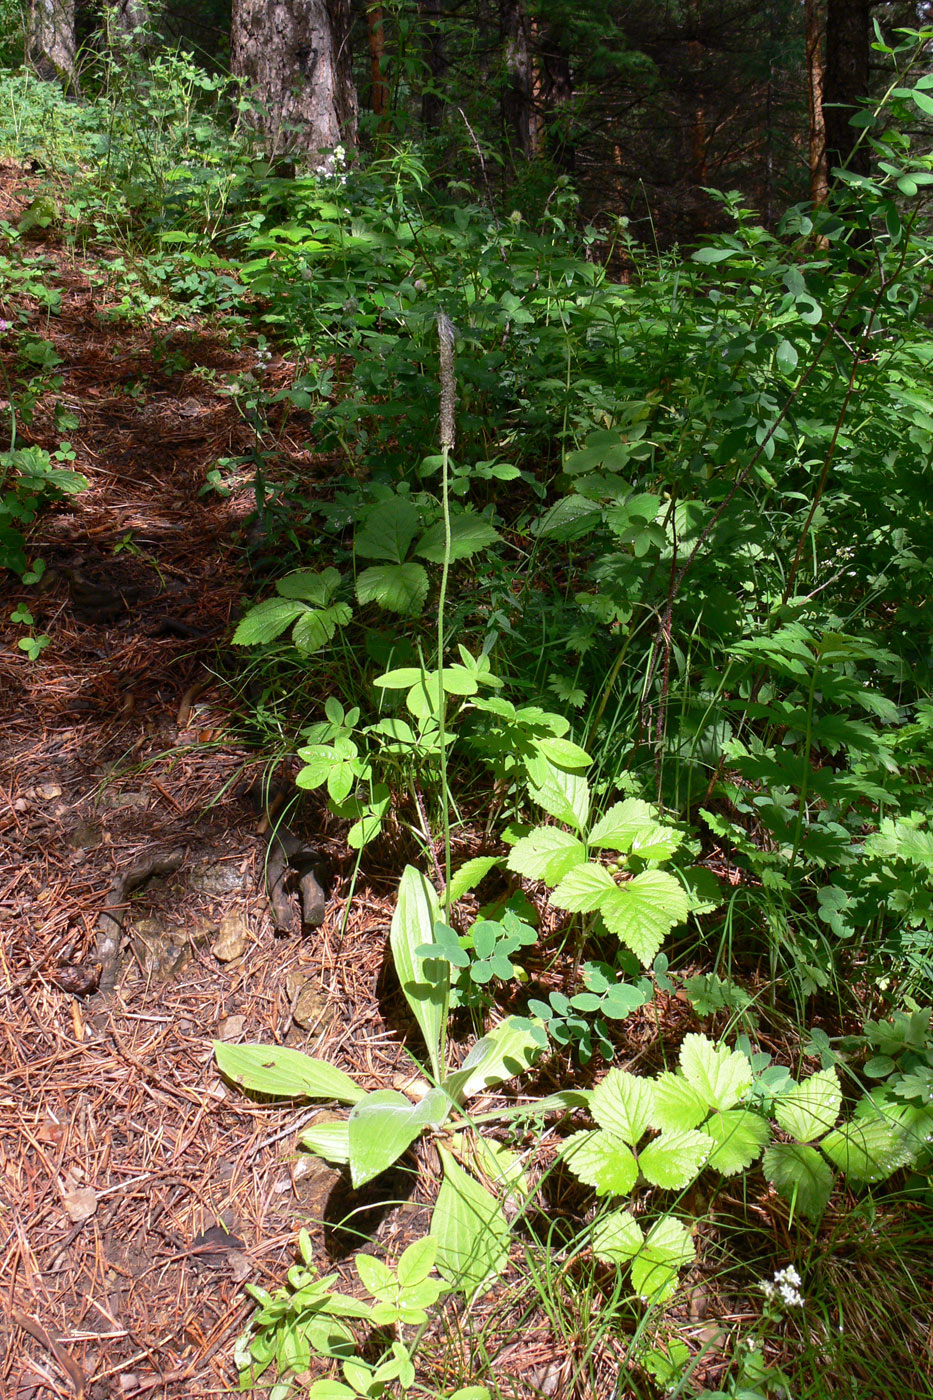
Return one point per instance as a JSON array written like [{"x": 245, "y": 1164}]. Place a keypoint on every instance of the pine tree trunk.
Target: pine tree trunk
[
  {"x": 845, "y": 81},
  {"x": 519, "y": 117},
  {"x": 50, "y": 38},
  {"x": 128, "y": 16},
  {"x": 432, "y": 101},
  {"x": 378, "y": 87},
  {"x": 819, "y": 184},
  {"x": 296, "y": 58}
]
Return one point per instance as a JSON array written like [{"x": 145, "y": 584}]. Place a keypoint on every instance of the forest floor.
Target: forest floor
[{"x": 138, "y": 1192}]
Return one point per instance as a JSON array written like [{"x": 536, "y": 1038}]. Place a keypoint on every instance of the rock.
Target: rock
[
  {"x": 84, "y": 836},
  {"x": 231, "y": 1027},
  {"x": 162, "y": 952},
  {"x": 233, "y": 938},
  {"x": 48, "y": 791},
  {"x": 216, "y": 877},
  {"x": 309, "y": 1004}
]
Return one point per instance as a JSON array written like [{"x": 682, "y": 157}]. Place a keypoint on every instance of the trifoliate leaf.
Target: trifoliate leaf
[
  {"x": 622, "y": 1105},
  {"x": 801, "y": 1176},
  {"x": 642, "y": 912},
  {"x": 584, "y": 889},
  {"x": 673, "y": 1160},
  {"x": 810, "y": 1109},
  {"x": 469, "y": 875},
  {"x": 266, "y": 621},
  {"x": 547, "y": 853},
  {"x": 677, "y": 1104},
  {"x": 655, "y": 1269},
  {"x": 389, "y": 530},
  {"x": 633, "y": 826},
  {"x": 400, "y": 588},
  {"x": 602, "y": 1161},
  {"x": 468, "y": 535},
  {"x": 617, "y": 1237},
  {"x": 316, "y": 589},
  {"x": 721, "y": 1076},
  {"x": 867, "y": 1149},
  {"x": 314, "y": 628},
  {"x": 739, "y": 1136}
]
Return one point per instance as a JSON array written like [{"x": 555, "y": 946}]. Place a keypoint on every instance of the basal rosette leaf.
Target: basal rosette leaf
[
  {"x": 655, "y": 1269},
  {"x": 632, "y": 826},
  {"x": 400, "y": 588},
  {"x": 470, "y": 1228},
  {"x": 811, "y": 1108},
  {"x": 266, "y": 621},
  {"x": 315, "y": 628},
  {"x": 547, "y": 853},
  {"x": 642, "y": 911},
  {"x": 602, "y": 1161},
  {"x": 282, "y": 1072},
  {"x": 677, "y": 1105},
  {"x": 314, "y": 588},
  {"x": 468, "y": 535},
  {"x": 617, "y": 1238},
  {"x": 388, "y": 531},
  {"x": 673, "y": 1160},
  {"x": 801, "y": 1176},
  {"x": 719, "y": 1075},
  {"x": 738, "y": 1137},
  {"x": 622, "y": 1104},
  {"x": 867, "y": 1149}
]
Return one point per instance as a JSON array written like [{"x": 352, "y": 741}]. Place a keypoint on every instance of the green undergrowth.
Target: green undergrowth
[{"x": 612, "y": 612}]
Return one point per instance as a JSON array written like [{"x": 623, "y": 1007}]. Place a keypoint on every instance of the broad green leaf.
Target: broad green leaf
[
  {"x": 400, "y": 588},
  {"x": 677, "y": 1104},
  {"x": 810, "y": 1109},
  {"x": 602, "y": 1161},
  {"x": 655, "y": 1269},
  {"x": 469, "y": 876},
  {"x": 642, "y": 911},
  {"x": 468, "y": 535},
  {"x": 720, "y": 1075},
  {"x": 506, "y": 1051},
  {"x": 376, "y": 1276},
  {"x": 673, "y": 1160},
  {"x": 617, "y": 1237},
  {"x": 801, "y": 1176},
  {"x": 281, "y": 1072},
  {"x": 316, "y": 627},
  {"x": 497, "y": 1163},
  {"x": 738, "y": 1136},
  {"x": 584, "y": 889},
  {"x": 471, "y": 1231},
  {"x": 565, "y": 796},
  {"x": 547, "y": 853},
  {"x": 622, "y": 1103},
  {"x": 381, "y": 1127},
  {"x": 328, "y": 1140},
  {"x": 316, "y": 589},
  {"x": 563, "y": 752},
  {"x": 417, "y": 1261},
  {"x": 329, "y": 1389},
  {"x": 425, "y": 982},
  {"x": 266, "y": 621},
  {"x": 403, "y": 678},
  {"x": 633, "y": 826},
  {"x": 867, "y": 1149},
  {"x": 389, "y": 530},
  {"x": 470, "y": 1392}
]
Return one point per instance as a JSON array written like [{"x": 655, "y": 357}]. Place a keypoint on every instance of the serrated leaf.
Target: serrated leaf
[
  {"x": 622, "y": 1103},
  {"x": 470, "y": 1228},
  {"x": 738, "y": 1136},
  {"x": 801, "y": 1176},
  {"x": 424, "y": 981},
  {"x": 673, "y": 1160},
  {"x": 547, "y": 853},
  {"x": 867, "y": 1149},
  {"x": 583, "y": 889},
  {"x": 469, "y": 875},
  {"x": 633, "y": 826},
  {"x": 655, "y": 1269},
  {"x": 602, "y": 1161},
  {"x": 677, "y": 1105},
  {"x": 266, "y": 621},
  {"x": 617, "y": 1237},
  {"x": 565, "y": 796},
  {"x": 389, "y": 530},
  {"x": 642, "y": 911},
  {"x": 315, "y": 628},
  {"x": 316, "y": 589},
  {"x": 720, "y": 1075},
  {"x": 468, "y": 535},
  {"x": 281, "y": 1072},
  {"x": 400, "y": 588},
  {"x": 810, "y": 1109}
]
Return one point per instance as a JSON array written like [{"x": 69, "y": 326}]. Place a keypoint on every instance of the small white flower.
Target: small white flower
[{"x": 785, "y": 1286}]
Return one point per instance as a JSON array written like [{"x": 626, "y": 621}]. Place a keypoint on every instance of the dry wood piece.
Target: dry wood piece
[{"x": 110, "y": 923}]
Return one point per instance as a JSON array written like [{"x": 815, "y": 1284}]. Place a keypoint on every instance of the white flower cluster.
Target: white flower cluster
[
  {"x": 785, "y": 1287},
  {"x": 333, "y": 168}
]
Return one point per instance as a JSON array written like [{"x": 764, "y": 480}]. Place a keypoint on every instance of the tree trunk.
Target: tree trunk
[
  {"x": 556, "y": 93},
  {"x": 50, "y": 39},
  {"x": 819, "y": 183},
  {"x": 128, "y": 16},
  {"x": 845, "y": 81},
  {"x": 519, "y": 116},
  {"x": 432, "y": 101},
  {"x": 378, "y": 87},
  {"x": 295, "y": 56}
]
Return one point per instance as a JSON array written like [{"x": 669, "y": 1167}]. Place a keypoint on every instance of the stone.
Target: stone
[{"x": 233, "y": 938}]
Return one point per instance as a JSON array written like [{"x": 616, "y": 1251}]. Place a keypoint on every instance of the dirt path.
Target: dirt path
[{"x": 119, "y": 1146}]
